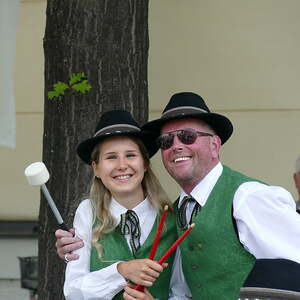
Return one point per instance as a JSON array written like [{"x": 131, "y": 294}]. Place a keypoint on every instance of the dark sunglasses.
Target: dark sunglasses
[{"x": 186, "y": 136}]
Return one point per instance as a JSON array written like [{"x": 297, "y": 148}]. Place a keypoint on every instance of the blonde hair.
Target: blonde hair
[{"x": 100, "y": 197}]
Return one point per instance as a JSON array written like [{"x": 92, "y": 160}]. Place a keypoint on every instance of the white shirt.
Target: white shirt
[
  {"x": 104, "y": 284},
  {"x": 266, "y": 218}
]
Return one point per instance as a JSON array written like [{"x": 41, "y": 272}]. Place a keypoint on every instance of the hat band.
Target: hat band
[
  {"x": 118, "y": 128},
  {"x": 182, "y": 110}
]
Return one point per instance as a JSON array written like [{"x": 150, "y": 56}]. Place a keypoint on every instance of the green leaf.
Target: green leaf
[
  {"x": 53, "y": 94},
  {"x": 82, "y": 87},
  {"x": 60, "y": 87},
  {"x": 77, "y": 82},
  {"x": 76, "y": 77}
]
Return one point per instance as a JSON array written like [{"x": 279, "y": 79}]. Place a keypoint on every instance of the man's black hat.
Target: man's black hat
[{"x": 191, "y": 105}]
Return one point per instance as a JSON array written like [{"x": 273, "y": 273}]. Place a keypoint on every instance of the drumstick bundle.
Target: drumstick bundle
[{"x": 157, "y": 239}]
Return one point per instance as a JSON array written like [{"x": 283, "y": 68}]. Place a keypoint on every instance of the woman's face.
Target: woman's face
[{"x": 120, "y": 166}]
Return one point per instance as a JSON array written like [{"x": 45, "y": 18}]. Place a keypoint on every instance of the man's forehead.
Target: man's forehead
[{"x": 183, "y": 123}]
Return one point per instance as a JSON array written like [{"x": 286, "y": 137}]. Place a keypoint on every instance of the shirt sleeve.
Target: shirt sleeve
[
  {"x": 267, "y": 221},
  {"x": 80, "y": 283},
  {"x": 179, "y": 289}
]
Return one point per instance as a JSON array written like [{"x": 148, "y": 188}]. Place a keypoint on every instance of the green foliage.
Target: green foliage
[
  {"x": 82, "y": 87},
  {"x": 76, "y": 77},
  {"x": 77, "y": 83}
]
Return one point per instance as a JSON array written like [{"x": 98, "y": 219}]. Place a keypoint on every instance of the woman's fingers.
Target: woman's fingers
[
  {"x": 140, "y": 271},
  {"x": 131, "y": 294}
]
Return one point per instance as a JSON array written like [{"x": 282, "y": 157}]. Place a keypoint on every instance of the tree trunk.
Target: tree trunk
[{"x": 108, "y": 41}]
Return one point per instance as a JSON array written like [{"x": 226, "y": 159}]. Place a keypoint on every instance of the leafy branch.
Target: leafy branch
[{"x": 77, "y": 82}]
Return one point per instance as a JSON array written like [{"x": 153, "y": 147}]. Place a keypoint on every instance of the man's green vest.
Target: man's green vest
[
  {"x": 214, "y": 262},
  {"x": 115, "y": 248}
]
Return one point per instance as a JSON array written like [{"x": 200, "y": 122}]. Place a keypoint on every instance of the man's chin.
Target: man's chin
[{"x": 182, "y": 177}]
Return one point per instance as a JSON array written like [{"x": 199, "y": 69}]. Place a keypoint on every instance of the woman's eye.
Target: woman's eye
[
  {"x": 111, "y": 157},
  {"x": 131, "y": 155}
]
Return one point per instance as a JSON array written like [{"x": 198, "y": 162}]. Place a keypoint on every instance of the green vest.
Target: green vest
[
  {"x": 115, "y": 248},
  {"x": 214, "y": 262}
]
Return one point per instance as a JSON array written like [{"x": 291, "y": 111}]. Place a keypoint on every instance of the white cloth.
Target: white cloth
[
  {"x": 9, "y": 12},
  {"x": 267, "y": 222},
  {"x": 80, "y": 283}
]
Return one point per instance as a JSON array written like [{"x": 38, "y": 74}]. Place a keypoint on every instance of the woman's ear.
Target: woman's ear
[{"x": 94, "y": 166}]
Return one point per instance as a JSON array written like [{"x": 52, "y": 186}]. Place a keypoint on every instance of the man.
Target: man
[{"x": 238, "y": 219}]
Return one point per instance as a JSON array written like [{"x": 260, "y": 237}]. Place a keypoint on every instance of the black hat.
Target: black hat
[
  {"x": 116, "y": 123},
  {"x": 185, "y": 105}
]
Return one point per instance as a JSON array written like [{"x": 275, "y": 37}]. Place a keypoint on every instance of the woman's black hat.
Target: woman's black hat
[{"x": 116, "y": 123}]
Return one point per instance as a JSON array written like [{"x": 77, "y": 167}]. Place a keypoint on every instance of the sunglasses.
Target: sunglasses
[{"x": 186, "y": 136}]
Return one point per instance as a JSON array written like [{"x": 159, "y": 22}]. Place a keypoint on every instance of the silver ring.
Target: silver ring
[{"x": 66, "y": 258}]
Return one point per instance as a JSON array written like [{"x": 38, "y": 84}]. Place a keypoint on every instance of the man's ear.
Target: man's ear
[
  {"x": 216, "y": 144},
  {"x": 146, "y": 166},
  {"x": 297, "y": 181}
]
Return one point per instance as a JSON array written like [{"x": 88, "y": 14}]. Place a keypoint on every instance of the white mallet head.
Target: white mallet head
[{"x": 37, "y": 174}]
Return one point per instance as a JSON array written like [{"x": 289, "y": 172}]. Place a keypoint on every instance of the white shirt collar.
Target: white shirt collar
[
  {"x": 116, "y": 209},
  {"x": 202, "y": 190}
]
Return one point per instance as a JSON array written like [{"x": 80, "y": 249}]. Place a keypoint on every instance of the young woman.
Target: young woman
[{"x": 118, "y": 222}]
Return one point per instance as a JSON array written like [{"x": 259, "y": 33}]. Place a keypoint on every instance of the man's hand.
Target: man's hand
[
  {"x": 66, "y": 243},
  {"x": 131, "y": 294},
  {"x": 140, "y": 271}
]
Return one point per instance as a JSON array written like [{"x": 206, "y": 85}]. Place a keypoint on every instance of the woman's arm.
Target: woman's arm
[{"x": 80, "y": 283}]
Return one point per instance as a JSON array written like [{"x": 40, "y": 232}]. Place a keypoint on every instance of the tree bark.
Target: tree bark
[{"x": 108, "y": 41}]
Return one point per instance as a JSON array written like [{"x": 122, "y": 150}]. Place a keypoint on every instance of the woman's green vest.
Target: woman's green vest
[
  {"x": 214, "y": 262},
  {"x": 115, "y": 248}
]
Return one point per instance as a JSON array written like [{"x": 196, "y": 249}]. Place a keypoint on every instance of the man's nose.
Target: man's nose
[{"x": 177, "y": 144}]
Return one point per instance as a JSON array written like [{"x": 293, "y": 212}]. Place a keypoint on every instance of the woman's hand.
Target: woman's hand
[
  {"x": 131, "y": 294},
  {"x": 140, "y": 271},
  {"x": 66, "y": 243}
]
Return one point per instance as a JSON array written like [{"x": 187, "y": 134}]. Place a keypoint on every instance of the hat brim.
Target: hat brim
[
  {"x": 219, "y": 123},
  {"x": 85, "y": 148}
]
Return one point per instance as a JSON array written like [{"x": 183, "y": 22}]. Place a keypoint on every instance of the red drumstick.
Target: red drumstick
[
  {"x": 155, "y": 242},
  {"x": 175, "y": 244},
  {"x": 169, "y": 252},
  {"x": 158, "y": 233}
]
